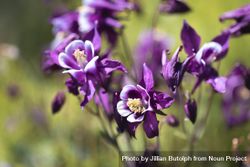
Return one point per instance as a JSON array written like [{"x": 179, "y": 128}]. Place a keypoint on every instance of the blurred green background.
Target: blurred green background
[{"x": 31, "y": 136}]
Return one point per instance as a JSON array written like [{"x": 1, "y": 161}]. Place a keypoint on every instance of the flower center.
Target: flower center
[
  {"x": 80, "y": 56},
  {"x": 135, "y": 105}
]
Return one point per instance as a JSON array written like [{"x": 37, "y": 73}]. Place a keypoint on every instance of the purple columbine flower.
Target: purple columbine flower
[
  {"x": 235, "y": 105},
  {"x": 174, "y": 6},
  {"x": 104, "y": 12},
  {"x": 173, "y": 70},
  {"x": 140, "y": 103},
  {"x": 90, "y": 71},
  {"x": 150, "y": 46},
  {"x": 190, "y": 109},
  {"x": 202, "y": 57},
  {"x": 58, "y": 102},
  {"x": 242, "y": 18}
]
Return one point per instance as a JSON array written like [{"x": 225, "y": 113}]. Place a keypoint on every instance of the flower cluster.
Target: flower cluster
[{"x": 156, "y": 81}]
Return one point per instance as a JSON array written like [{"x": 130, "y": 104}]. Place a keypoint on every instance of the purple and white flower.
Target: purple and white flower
[
  {"x": 140, "y": 103},
  {"x": 203, "y": 57},
  {"x": 90, "y": 71}
]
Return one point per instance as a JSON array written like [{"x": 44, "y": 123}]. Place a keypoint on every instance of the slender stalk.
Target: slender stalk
[{"x": 181, "y": 113}]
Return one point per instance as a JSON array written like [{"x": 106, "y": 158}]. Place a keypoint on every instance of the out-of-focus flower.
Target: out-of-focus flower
[
  {"x": 173, "y": 70},
  {"x": 140, "y": 103},
  {"x": 65, "y": 23},
  {"x": 190, "y": 109},
  {"x": 235, "y": 103},
  {"x": 172, "y": 120},
  {"x": 202, "y": 58},
  {"x": 174, "y": 6},
  {"x": 79, "y": 60},
  {"x": 150, "y": 46},
  {"x": 242, "y": 18},
  {"x": 58, "y": 102},
  {"x": 104, "y": 13}
]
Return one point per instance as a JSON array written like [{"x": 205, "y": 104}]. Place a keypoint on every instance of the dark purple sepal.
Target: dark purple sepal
[
  {"x": 150, "y": 124},
  {"x": 190, "y": 39}
]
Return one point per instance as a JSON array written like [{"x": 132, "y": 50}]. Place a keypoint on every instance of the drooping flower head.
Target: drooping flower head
[
  {"x": 203, "y": 57},
  {"x": 235, "y": 103},
  {"x": 242, "y": 20},
  {"x": 140, "y": 103},
  {"x": 173, "y": 70},
  {"x": 88, "y": 70}
]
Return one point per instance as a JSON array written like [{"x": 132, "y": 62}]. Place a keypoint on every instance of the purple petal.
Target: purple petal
[
  {"x": 237, "y": 13},
  {"x": 113, "y": 23},
  {"x": 131, "y": 128},
  {"x": 223, "y": 40},
  {"x": 219, "y": 84},
  {"x": 134, "y": 118},
  {"x": 129, "y": 91},
  {"x": 162, "y": 100},
  {"x": 89, "y": 50},
  {"x": 190, "y": 39},
  {"x": 148, "y": 79},
  {"x": 208, "y": 52},
  {"x": 150, "y": 125},
  {"x": 79, "y": 75},
  {"x": 174, "y": 6},
  {"x": 91, "y": 67},
  {"x": 111, "y": 65},
  {"x": 73, "y": 46},
  {"x": 66, "y": 61},
  {"x": 88, "y": 90},
  {"x": 122, "y": 109}
]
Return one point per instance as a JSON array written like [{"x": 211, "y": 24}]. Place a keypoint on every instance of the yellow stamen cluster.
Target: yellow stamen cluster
[
  {"x": 80, "y": 56},
  {"x": 135, "y": 105}
]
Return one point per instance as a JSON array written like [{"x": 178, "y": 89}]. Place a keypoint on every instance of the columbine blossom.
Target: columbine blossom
[
  {"x": 174, "y": 6},
  {"x": 140, "y": 103},
  {"x": 173, "y": 70},
  {"x": 79, "y": 60},
  {"x": 104, "y": 13},
  {"x": 242, "y": 18},
  {"x": 235, "y": 104},
  {"x": 203, "y": 57}
]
